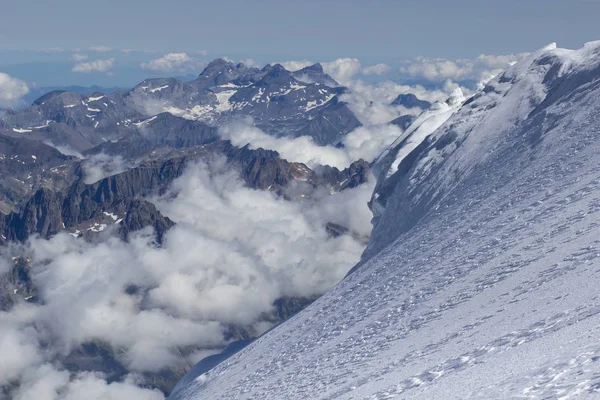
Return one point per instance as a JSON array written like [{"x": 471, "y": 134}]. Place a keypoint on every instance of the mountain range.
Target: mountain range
[
  {"x": 480, "y": 277},
  {"x": 92, "y": 164}
]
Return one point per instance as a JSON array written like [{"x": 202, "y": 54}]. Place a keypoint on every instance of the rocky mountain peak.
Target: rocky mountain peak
[
  {"x": 409, "y": 100},
  {"x": 219, "y": 65}
]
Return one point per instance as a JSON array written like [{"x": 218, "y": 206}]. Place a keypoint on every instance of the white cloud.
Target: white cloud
[
  {"x": 48, "y": 383},
  {"x": 11, "y": 90},
  {"x": 300, "y": 149},
  {"x": 296, "y": 65},
  {"x": 52, "y": 50},
  {"x": 94, "y": 66},
  {"x": 479, "y": 68},
  {"x": 92, "y": 386},
  {"x": 18, "y": 346},
  {"x": 173, "y": 62},
  {"x": 77, "y": 57},
  {"x": 249, "y": 62},
  {"x": 99, "y": 49},
  {"x": 100, "y": 166},
  {"x": 371, "y": 103},
  {"x": 366, "y": 142},
  {"x": 42, "y": 383},
  {"x": 377, "y": 69},
  {"x": 342, "y": 69},
  {"x": 234, "y": 251}
]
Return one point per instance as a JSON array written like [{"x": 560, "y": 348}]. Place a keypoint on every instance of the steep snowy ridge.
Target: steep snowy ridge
[
  {"x": 387, "y": 164},
  {"x": 419, "y": 176},
  {"x": 481, "y": 276}
]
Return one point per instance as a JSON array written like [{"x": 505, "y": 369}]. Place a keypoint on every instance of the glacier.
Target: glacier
[{"x": 480, "y": 280}]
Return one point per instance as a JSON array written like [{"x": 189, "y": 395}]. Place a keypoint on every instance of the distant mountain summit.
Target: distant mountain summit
[
  {"x": 409, "y": 100},
  {"x": 280, "y": 102}
]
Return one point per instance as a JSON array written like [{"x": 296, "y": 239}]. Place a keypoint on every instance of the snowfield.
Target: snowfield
[{"x": 481, "y": 277}]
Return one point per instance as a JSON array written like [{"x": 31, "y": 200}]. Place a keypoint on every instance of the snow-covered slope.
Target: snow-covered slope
[
  {"x": 481, "y": 277},
  {"x": 387, "y": 164}
]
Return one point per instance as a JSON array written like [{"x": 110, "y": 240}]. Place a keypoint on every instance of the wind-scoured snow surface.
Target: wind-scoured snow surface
[{"x": 481, "y": 277}]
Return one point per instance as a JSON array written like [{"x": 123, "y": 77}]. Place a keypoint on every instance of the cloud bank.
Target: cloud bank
[
  {"x": 94, "y": 66},
  {"x": 234, "y": 251},
  {"x": 99, "y": 49},
  {"x": 477, "y": 69},
  {"x": 78, "y": 57},
  {"x": 377, "y": 69},
  {"x": 366, "y": 142},
  {"x": 173, "y": 62},
  {"x": 11, "y": 90},
  {"x": 101, "y": 165}
]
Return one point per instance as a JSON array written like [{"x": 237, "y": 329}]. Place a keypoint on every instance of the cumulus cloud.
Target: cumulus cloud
[
  {"x": 173, "y": 62},
  {"x": 249, "y": 62},
  {"x": 77, "y": 57},
  {"x": 233, "y": 253},
  {"x": 100, "y": 165},
  {"x": 295, "y": 65},
  {"x": 94, "y": 66},
  {"x": 51, "y": 50},
  {"x": 342, "y": 69},
  {"x": 99, "y": 49},
  {"x": 366, "y": 142},
  {"x": 477, "y": 69},
  {"x": 377, "y": 69},
  {"x": 65, "y": 149},
  {"x": 11, "y": 90},
  {"x": 49, "y": 383},
  {"x": 371, "y": 103},
  {"x": 18, "y": 346},
  {"x": 301, "y": 149}
]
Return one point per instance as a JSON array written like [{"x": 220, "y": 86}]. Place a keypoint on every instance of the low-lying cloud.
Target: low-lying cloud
[
  {"x": 365, "y": 142},
  {"x": 476, "y": 69},
  {"x": 101, "y": 165},
  {"x": 377, "y": 69},
  {"x": 78, "y": 57},
  {"x": 11, "y": 90},
  {"x": 371, "y": 103},
  {"x": 173, "y": 62},
  {"x": 342, "y": 69},
  {"x": 296, "y": 65},
  {"x": 234, "y": 251},
  {"x": 94, "y": 66},
  {"x": 99, "y": 49}
]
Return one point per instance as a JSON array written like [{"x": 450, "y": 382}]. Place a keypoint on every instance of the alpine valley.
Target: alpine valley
[
  {"x": 143, "y": 231},
  {"x": 256, "y": 233}
]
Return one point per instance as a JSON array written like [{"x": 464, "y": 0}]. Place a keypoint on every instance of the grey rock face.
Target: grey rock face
[
  {"x": 49, "y": 212},
  {"x": 315, "y": 74},
  {"x": 16, "y": 284},
  {"x": 409, "y": 100},
  {"x": 26, "y": 166},
  {"x": 356, "y": 174},
  {"x": 162, "y": 131},
  {"x": 83, "y": 207},
  {"x": 140, "y": 214}
]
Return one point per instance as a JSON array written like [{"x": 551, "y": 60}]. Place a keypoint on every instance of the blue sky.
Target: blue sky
[{"x": 390, "y": 32}]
